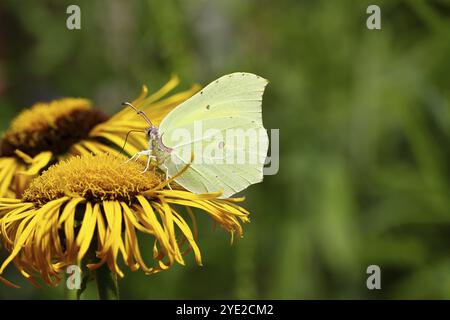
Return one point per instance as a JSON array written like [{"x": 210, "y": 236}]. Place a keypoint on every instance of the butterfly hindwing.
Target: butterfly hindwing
[{"x": 222, "y": 126}]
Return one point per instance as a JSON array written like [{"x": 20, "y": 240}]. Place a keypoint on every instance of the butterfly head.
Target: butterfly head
[{"x": 152, "y": 132}]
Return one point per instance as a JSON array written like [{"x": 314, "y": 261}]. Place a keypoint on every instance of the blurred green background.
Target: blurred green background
[{"x": 364, "y": 119}]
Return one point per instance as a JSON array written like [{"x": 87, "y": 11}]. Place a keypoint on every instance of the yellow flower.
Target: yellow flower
[
  {"x": 89, "y": 210},
  {"x": 47, "y": 132}
]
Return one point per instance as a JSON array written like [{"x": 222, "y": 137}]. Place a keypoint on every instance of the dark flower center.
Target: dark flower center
[{"x": 67, "y": 129}]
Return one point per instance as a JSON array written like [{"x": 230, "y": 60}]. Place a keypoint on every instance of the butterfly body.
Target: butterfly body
[{"x": 155, "y": 145}]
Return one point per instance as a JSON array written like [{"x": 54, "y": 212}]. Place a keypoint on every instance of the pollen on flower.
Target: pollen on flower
[
  {"x": 95, "y": 177},
  {"x": 52, "y": 126}
]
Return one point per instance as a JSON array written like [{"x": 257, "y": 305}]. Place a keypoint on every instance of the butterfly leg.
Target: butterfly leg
[
  {"x": 137, "y": 155},
  {"x": 149, "y": 155},
  {"x": 148, "y": 163},
  {"x": 134, "y": 156},
  {"x": 167, "y": 174}
]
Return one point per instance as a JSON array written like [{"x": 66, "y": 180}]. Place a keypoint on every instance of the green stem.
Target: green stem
[
  {"x": 70, "y": 294},
  {"x": 106, "y": 284}
]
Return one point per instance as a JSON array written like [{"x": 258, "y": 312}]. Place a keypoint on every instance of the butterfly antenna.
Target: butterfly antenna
[
  {"x": 126, "y": 138},
  {"x": 139, "y": 112}
]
